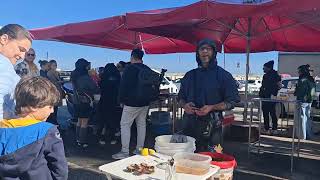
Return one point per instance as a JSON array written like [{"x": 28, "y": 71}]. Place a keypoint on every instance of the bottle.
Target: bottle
[{"x": 170, "y": 173}]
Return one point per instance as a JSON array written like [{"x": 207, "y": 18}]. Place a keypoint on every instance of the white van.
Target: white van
[
  {"x": 253, "y": 86},
  {"x": 168, "y": 85}
]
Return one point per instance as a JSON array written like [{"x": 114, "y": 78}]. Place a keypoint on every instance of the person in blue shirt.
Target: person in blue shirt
[
  {"x": 30, "y": 148},
  {"x": 205, "y": 93},
  {"x": 15, "y": 41}
]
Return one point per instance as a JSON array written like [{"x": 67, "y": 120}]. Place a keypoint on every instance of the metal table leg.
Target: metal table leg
[
  {"x": 299, "y": 127},
  {"x": 260, "y": 121},
  {"x": 287, "y": 118},
  {"x": 174, "y": 113},
  {"x": 292, "y": 151},
  {"x": 296, "y": 123},
  {"x": 281, "y": 112},
  {"x": 250, "y": 126}
]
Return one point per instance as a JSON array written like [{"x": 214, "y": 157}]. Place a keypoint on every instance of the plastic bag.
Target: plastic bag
[{"x": 177, "y": 138}]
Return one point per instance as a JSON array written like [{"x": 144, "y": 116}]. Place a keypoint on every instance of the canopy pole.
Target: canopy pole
[
  {"x": 224, "y": 57},
  {"x": 245, "y": 113}
]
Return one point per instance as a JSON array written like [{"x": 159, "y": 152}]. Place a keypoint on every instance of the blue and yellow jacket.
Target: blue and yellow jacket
[{"x": 31, "y": 150}]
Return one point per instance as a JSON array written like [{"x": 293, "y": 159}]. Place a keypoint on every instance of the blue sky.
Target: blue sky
[{"x": 42, "y": 13}]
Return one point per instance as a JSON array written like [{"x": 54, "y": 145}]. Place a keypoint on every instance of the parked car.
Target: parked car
[
  {"x": 165, "y": 85},
  {"x": 168, "y": 84},
  {"x": 286, "y": 93},
  {"x": 65, "y": 75},
  {"x": 253, "y": 85}
]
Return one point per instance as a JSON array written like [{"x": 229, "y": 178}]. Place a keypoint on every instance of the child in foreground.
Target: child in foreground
[{"x": 30, "y": 148}]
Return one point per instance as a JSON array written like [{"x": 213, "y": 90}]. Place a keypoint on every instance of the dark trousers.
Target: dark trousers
[
  {"x": 53, "y": 116},
  {"x": 194, "y": 129},
  {"x": 269, "y": 109},
  {"x": 110, "y": 120}
]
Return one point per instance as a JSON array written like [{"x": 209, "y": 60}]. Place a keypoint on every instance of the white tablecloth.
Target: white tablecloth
[{"x": 115, "y": 169}]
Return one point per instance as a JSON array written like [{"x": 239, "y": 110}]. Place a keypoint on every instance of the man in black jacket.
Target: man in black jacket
[
  {"x": 205, "y": 93},
  {"x": 270, "y": 86},
  {"x": 134, "y": 108}
]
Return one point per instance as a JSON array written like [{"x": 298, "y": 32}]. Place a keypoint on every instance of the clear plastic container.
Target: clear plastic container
[
  {"x": 190, "y": 163},
  {"x": 223, "y": 174},
  {"x": 160, "y": 118}
]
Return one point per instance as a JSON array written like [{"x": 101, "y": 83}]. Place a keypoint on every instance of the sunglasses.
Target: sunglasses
[
  {"x": 31, "y": 55},
  {"x": 206, "y": 49}
]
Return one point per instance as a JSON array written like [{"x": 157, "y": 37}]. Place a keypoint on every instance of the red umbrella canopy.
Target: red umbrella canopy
[
  {"x": 111, "y": 33},
  {"x": 280, "y": 25}
]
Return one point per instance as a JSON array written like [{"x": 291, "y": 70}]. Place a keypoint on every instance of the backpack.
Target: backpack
[
  {"x": 148, "y": 86},
  {"x": 80, "y": 97}
]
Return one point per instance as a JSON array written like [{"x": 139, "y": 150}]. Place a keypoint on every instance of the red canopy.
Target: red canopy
[
  {"x": 281, "y": 25},
  {"x": 111, "y": 33}
]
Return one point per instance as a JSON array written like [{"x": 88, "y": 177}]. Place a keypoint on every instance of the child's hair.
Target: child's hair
[
  {"x": 35, "y": 92},
  {"x": 53, "y": 61},
  {"x": 43, "y": 62}
]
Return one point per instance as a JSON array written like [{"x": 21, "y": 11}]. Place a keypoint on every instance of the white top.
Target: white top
[
  {"x": 23, "y": 69},
  {"x": 8, "y": 82},
  {"x": 115, "y": 169}
]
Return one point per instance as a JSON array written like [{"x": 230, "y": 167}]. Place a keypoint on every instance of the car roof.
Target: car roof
[{"x": 290, "y": 78}]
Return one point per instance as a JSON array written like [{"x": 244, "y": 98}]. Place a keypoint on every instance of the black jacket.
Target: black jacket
[
  {"x": 270, "y": 84},
  {"x": 128, "y": 86},
  {"x": 209, "y": 86},
  {"x": 109, "y": 86}
]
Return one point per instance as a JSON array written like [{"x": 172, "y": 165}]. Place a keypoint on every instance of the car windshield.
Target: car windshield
[{"x": 289, "y": 84}]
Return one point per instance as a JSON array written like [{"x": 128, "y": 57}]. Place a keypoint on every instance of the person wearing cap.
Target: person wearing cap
[
  {"x": 205, "y": 93},
  {"x": 271, "y": 82},
  {"x": 305, "y": 91}
]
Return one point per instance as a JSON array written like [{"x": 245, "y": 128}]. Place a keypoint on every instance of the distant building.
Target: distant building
[{"x": 288, "y": 62}]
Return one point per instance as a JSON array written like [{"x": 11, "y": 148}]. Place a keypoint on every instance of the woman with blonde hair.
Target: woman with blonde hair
[{"x": 27, "y": 67}]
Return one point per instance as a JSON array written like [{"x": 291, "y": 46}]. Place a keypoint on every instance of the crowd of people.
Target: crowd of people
[{"x": 119, "y": 95}]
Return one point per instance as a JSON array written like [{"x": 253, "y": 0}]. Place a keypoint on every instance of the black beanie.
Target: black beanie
[
  {"x": 305, "y": 69},
  {"x": 269, "y": 64},
  {"x": 210, "y": 43}
]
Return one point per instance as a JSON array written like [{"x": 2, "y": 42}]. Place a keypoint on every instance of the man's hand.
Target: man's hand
[
  {"x": 189, "y": 108},
  {"x": 205, "y": 110}
]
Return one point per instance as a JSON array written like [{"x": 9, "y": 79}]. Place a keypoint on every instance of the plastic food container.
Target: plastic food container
[{"x": 190, "y": 163}]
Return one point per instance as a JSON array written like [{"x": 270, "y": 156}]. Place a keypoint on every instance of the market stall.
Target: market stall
[{"x": 256, "y": 146}]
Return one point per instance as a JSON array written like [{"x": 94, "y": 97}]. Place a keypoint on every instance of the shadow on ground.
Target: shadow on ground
[{"x": 84, "y": 163}]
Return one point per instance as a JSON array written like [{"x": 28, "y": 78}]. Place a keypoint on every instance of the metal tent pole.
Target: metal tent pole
[
  {"x": 224, "y": 57},
  {"x": 245, "y": 113}
]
